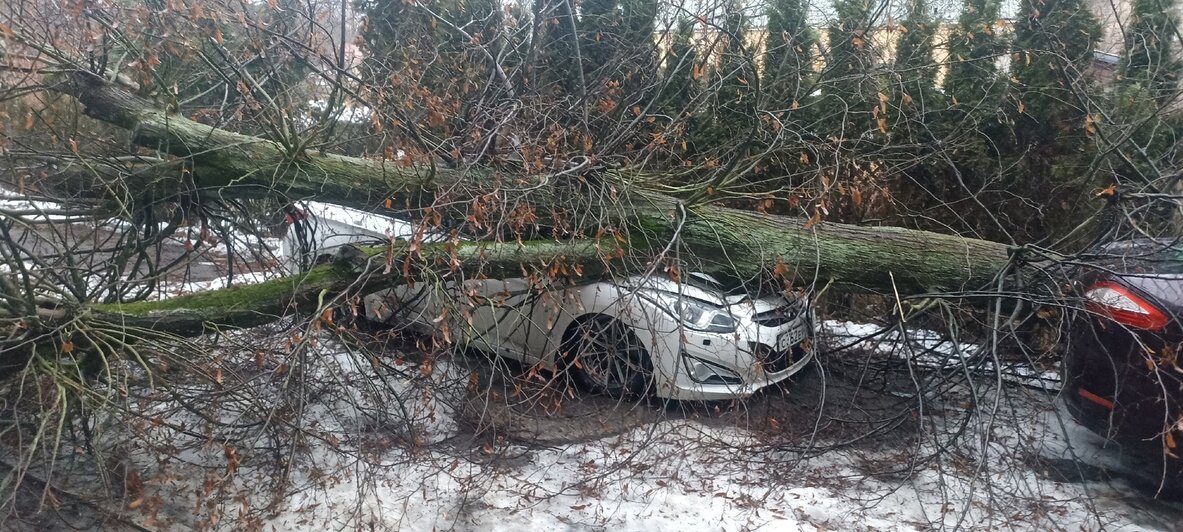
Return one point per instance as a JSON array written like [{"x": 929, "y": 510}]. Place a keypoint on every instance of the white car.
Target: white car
[{"x": 687, "y": 340}]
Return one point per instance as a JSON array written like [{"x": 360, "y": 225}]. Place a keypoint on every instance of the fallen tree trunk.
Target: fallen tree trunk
[
  {"x": 868, "y": 259},
  {"x": 262, "y": 303},
  {"x": 728, "y": 242},
  {"x": 222, "y": 159}
]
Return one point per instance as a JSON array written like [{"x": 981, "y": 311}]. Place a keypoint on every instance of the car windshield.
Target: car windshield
[{"x": 709, "y": 282}]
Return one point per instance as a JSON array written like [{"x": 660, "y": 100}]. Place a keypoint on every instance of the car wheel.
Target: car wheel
[{"x": 604, "y": 356}]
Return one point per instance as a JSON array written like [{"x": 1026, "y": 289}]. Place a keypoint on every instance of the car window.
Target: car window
[{"x": 1146, "y": 255}]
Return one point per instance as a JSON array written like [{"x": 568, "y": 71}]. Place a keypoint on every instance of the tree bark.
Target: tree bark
[
  {"x": 727, "y": 242},
  {"x": 262, "y": 303}
]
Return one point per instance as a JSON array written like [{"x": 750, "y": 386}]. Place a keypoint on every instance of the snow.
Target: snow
[
  {"x": 662, "y": 477},
  {"x": 33, "y": 210},
  {"x": 925, "y": 349},
  {"x": 392, "y": 452},
  {"x": 678, "y": 488},
  {"x": 173, "y": 289},
  {"x": 405, "y": 460}
]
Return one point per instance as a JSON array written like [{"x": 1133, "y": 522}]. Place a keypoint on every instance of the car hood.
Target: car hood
[{"x": 715, "y": 297}]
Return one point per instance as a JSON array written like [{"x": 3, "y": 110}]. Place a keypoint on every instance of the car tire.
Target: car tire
[{"x": 604, "y": 356}]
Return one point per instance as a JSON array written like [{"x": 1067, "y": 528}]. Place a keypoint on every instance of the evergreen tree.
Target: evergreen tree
[
  {"x": 619, "y": 67},
  {"x": 418, "y": 52},
  {"x": 1151, "y": 51},
  {"x": 915, "y": 68},
  {"x": 463, "y": 68},
  {"x": 849, "y": 91},
  {"x": 680, "y": 80},
  {"x": 178, "y": 78},
  {"x": 555, "y": 70},
  {"x": 734, "y": 105},
  {"x": 972, "y": 81},
  {"x": 976, "y": 91},
  {"x": 788, "y": 57},
  {"x": 392, "y": 35},
  {"x": 1150, "y": 70},
  {"x": 1053, "y": 48},
  {"x": 616, "y": 42},
  {"x": 639, "y": 18},
  {"x": 637, "y": 49},
  {"x": 679, "y": 88},
  {"x": 599, "y": 36},
  {"x": 913, "y": 121}
]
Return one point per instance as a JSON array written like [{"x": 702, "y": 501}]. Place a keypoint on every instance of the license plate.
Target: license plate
[{"x": 789, "y": 338}]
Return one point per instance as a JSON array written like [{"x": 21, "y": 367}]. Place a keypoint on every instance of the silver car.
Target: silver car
[{"x": 684, "y": 340}]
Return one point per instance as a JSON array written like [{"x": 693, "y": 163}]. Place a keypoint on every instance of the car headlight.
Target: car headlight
[{"x": 695, "y": 314}]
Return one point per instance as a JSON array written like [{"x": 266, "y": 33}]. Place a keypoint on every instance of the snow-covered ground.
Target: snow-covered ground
[
  {"x": 30, "y": 209},
  {"x": 930, "y": 350},
  {"x": 678, "y": 475},
  {"x": 394, "y": 451},
  {"x": 389, "y": 450}
]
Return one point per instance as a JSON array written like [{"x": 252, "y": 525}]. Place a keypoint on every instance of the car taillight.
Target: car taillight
[
  {"x": 294, "y": 215},
  {"x": 1122, "y": 306}
]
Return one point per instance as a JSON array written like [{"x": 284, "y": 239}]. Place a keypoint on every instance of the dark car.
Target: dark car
[{"x": 1122, "y": 375}]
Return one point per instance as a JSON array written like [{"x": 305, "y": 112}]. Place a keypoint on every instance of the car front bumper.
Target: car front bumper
[{"x": 704, "y": 366}]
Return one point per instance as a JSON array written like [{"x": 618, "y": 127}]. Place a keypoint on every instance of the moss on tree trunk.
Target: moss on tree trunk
[{"x": 727, "y": 242}]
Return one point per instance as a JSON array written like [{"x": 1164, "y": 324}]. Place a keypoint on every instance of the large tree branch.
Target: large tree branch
[
  {"x": 734, "y": 243},
  {"x": 222, "y": 158},
  {"x": 258, "y": 304}
]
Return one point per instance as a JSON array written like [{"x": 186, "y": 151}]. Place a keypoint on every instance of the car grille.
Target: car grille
[
  {"x": 778, "y": 317},
  {"x": 773, "y": 361}
]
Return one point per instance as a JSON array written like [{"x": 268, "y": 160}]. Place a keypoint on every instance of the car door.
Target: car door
[{"x": 494, "y": 315}]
